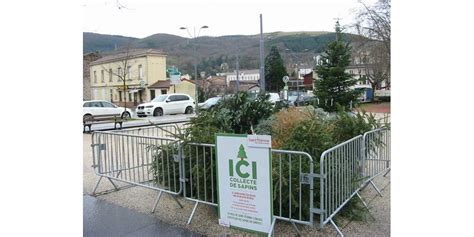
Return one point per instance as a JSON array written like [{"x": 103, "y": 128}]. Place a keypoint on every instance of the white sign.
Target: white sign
[
  {"x": 264, "y": 141},
  {"x": 175, "y": 79},
  {"x": 244, "y": 178}
]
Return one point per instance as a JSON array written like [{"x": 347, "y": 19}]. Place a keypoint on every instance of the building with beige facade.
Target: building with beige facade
[
  {"x": 140, "y": 68},
  {"x": 86, "y": 77}
]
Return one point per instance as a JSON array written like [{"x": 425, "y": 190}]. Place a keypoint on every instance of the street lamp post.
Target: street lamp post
[{"x": 194, "y": 37}]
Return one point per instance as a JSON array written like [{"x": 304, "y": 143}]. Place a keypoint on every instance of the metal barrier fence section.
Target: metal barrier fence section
[
  {"x": 199, "y": 174},
  {"x": 377, "y": 152},
  {"x": 377, "y": 155},
  {"x": 138, "y": 160},
  {"x": 165, "y": 130},
  {"x": 341, "y": 170},
  {"x": 292, "y": 176}
]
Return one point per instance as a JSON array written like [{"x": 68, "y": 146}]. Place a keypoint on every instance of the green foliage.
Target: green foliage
[
  {"x": 164, "y": 169},
  {"x": 334, "y": 82},
  {"x": 274, "y": 71},
  {"x": 264, "y": 127},
  {"x": 315, "y": 134},
  {"x": 236, "y": 114},
  {"x": 347, "y": 125}
]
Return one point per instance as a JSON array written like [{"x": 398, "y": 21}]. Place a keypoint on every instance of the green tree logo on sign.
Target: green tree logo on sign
[
  {"x": 242, "y": 155},
  {"x": 242, "y": 162}
]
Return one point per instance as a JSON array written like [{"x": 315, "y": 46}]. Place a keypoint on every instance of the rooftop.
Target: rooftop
[{"x": 132, "y": 53}]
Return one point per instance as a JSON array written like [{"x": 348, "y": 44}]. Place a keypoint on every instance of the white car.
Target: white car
[
  {"x": 209, "y": 103},
  {"x": 167, "y": 104},
  {"x": 274, "y": 98},
  {"x": 102, "y": 107}
]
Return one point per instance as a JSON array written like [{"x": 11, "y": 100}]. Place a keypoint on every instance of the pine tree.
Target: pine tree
[
  {"x": 274, "y": 71},
  {"x": 242, "y": 155},
  {"x": 334, "y": 82}
]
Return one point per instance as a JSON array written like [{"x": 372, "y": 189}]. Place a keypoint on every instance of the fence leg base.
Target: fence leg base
[
  {"x": 192, "y": 213},
  {"x": 376, "y": 189},
  {"x": 387, "y": 172},
  {"x": 176, "y": 200},
  {"x": 337, "y": 229},
  {"x": 272, "y": 227},
  {"x": 115, "y": 186},
  {"x": 296, "y": 228},
  {"x": 362, "y": 200},
  {"x": 156, "y": 202},
  {"x": 96, "y": 185}
]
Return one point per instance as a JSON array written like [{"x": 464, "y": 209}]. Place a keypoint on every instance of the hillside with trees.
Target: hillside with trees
[{"x": 294, "y": 47}]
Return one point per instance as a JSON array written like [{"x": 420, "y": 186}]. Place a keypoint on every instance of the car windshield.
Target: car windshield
[{"x": 160, "y": 98}]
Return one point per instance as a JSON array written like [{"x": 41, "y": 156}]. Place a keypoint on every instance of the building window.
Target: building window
[
  {"x": 120, "y": 96},
  {"x": 129, "y": 72},
  {"x": 152, "y": 94},
  {"x": 140, "y": 72},
  {"x": 163, "y": 92},
  {"x": 119, "y": 70},
  {"x": 110, "y": 75},
  {"x": 102, "y": 76},
  {"x": 95, "y": 76}
]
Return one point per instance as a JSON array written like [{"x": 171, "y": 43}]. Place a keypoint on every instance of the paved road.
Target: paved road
[
  {"x": 139, "y": 122},
  {"x": 101, "y": 218}
]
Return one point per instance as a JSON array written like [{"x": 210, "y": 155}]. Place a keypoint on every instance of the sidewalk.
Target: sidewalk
[{"x": 101, "y": 218}]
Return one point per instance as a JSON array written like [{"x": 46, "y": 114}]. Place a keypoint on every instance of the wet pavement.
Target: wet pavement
[{"x": 101, "y": 218}]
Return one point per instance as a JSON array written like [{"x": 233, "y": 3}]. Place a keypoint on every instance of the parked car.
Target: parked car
[
  {"x": 274, "y": 98},
  {"x": 102, "y": 107},
  {"x": 304, "y": 100},
  {"x": 167, "y": 104},
  {"x": 209, "y": 103}
]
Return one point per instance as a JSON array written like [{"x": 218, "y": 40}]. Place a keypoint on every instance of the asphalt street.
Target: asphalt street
[{"x": 101, "y": 218}]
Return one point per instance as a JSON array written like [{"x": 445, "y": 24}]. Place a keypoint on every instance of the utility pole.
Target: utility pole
[
  {"x": 262, "y": 60},
  {"x": 237, "y": 71}
]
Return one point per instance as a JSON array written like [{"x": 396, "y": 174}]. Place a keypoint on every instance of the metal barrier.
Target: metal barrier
[
  {"x": 293, "y": 190},
  {"x": 199, "y": 174},
  {"x": 137, "y": 160},
  {"x": 341, "y": 178},
  {"x": 377, "y": 155},
  {"x": 199, "y": 170},
  {"x": 165, "y": 130},
  {"x": 174, "y": 167}
]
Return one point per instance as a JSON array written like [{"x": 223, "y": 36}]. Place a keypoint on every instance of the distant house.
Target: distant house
[
  {"x": 244, "y": 75},
  {"x": 246, "y": 85},
  {"x": 308, "y": 81},
  {"x": 165, "y": 87},
  {"x": 144, "y": 67}
]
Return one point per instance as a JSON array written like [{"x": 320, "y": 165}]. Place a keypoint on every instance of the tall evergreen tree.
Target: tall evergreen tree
[
  {"x": 274, "y": 71},
  {"x": 334, "y": 82}
]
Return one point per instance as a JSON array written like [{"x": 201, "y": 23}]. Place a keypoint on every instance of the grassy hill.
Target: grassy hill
[{"x": 295, "y": 47}]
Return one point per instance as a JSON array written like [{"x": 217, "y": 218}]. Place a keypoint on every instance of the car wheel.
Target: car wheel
[
  {"x": 125, "y": 115},
  {"x": 86, "y": 117},
  {"x": 189, "y": 110},
  {"x": 158, "y": 112}
]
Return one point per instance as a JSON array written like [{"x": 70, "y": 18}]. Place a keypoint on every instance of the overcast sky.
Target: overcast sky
[{"x": 142, "y": 18}]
